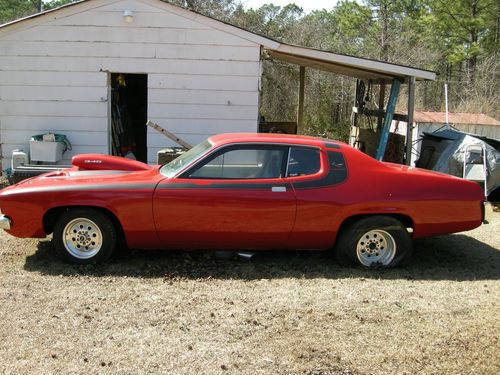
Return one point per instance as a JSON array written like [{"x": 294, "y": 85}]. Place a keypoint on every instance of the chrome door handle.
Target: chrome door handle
[{"x": 278, "y": 189}]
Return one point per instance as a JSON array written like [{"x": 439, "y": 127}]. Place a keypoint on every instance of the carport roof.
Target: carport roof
[{"x": 352, "y": 66}]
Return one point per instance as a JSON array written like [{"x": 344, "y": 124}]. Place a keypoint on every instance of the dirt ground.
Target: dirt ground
[{"x": 280, "y": 313}]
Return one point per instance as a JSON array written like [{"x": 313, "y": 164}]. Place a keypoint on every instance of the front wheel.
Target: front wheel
[
  {"x": 375, "y": 241},
  {"x": 83, "y": 236}
]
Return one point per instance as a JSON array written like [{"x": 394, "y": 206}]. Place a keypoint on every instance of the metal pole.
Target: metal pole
[
  {"x": 446, "y": 105},
  {"x": 409, "y": 124},
  {"x": 300, "y": 109},
  {"x": 485, "y": 174}
]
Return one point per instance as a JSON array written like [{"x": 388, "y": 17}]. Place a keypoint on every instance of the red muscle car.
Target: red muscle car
[{"x": 246, "y": 192}]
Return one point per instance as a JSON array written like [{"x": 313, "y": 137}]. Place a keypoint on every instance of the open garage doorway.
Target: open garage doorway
[{"x": 129, "y": 113}]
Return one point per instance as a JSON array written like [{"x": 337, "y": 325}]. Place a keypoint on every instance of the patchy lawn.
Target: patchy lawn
[{"x": 280, "y": 313}]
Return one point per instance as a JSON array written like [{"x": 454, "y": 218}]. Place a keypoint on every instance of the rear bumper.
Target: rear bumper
[{"x": 4, "y": 222}]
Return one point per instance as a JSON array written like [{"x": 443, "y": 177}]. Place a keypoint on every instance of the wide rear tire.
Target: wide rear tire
[
  {"x": 374, "y": 241},
  {"x": 83, "y": 236}
]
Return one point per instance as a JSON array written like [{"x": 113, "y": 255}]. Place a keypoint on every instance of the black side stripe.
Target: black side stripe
[
  {"x": 93, "y": 187},
  {"x": 331, "y": 145},
  {"x": 336, "y": 175}
]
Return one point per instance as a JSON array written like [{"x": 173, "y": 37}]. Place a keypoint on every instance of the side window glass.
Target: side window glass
[
  {"x": 336, "y": 160},
  {"x": 338, "y": 167},
  {"x": 245, "y": 163},
  {"x": 303, "y": 161}
]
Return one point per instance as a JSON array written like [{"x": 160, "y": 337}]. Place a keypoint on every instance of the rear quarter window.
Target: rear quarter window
[
  {"x": 337, "y": 173},
  {"x": 338, "y": 167}
]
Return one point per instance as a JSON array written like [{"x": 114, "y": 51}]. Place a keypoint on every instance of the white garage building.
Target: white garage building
[{"x": 192, "y": 74}]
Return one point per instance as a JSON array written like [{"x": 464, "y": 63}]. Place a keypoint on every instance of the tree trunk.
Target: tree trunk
[
  {"x": 384, "y": 45},
  {"x": 471, "y": 62}
]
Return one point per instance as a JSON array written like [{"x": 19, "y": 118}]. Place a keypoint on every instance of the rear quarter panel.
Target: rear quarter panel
[
  {"x": 441, "y": 204},
  {"x": 434, "y": 203}
]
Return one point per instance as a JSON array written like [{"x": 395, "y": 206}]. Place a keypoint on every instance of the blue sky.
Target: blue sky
[{"x": 307, "y": 5}]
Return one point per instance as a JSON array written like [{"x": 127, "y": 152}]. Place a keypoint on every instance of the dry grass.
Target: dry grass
[{"x": 281, "y": 313}]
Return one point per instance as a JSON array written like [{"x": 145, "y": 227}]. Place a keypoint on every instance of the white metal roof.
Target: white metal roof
[
  {"x": 324, "y": 60},
  {"x": 344, "y": 64}
]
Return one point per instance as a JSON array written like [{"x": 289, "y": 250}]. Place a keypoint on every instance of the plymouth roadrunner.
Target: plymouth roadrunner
[{"x": 245, "y": 192}]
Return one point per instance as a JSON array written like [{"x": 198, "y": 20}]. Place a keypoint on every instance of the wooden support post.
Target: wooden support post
[
  {"x": 300, "y": 109},
  {"x": 355, "y": 113},
  {"x": 409, "y": 126},
  {"x": 353, "y": 133},
  {"x": 381, "y": 100}
]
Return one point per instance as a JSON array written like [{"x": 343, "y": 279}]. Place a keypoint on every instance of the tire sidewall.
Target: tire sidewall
[
  {"x": 106, "y": 226},
  {"x": 347, "y": 244}
]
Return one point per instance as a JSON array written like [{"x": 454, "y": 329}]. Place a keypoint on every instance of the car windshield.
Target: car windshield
[{"x": 170, "y": 169}]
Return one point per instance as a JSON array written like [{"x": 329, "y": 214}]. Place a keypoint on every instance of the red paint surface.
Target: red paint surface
[
  {"x": 155, "y": 214},
  {"x": 107, "y": 162},
  {"x": 212, "y": 218}
]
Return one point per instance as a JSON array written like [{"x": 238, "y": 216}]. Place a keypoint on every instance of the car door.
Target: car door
[
  {"x": 235, "y": 198},
  {"x": 315, "y": 176}
]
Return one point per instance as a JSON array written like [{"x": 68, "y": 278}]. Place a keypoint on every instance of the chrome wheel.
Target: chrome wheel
[
  {"x": 376, "y": 247},
  {"x": 82, "y": 238}
]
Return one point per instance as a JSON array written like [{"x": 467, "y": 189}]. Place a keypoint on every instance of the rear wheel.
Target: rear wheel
[
  {"x": 83, "y": 236},
  {"x": 375, "y": 241}
]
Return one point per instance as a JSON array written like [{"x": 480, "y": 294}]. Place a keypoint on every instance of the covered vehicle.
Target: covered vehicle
[
  {"x": 243, "y": 191},
  {"x": 445, "y": 151}
]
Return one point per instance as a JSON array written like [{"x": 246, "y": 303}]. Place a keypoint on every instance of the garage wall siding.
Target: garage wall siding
[{"x": 54, "y": 75}]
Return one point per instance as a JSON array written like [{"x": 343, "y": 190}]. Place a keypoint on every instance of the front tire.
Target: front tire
[
  {"x": 375, "y": 241},
  {"x": 84, "y": 235}
]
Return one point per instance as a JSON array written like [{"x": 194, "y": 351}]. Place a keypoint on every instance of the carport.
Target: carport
[{"x": 364, "y": 70}]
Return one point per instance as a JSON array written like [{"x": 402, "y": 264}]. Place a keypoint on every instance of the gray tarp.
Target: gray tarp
[{"x": 444, "y": 151}]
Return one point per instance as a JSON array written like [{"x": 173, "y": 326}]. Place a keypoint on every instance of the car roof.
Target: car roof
[{"x": 221, "y": 139}]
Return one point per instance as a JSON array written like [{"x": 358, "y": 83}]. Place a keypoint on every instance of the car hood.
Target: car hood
[{"x": 92, "y": 171}]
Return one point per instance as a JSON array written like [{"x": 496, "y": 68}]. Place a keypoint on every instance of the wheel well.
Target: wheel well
[
  {"x": 403, "y": 219},
  {"x": 51, "y": 216}
]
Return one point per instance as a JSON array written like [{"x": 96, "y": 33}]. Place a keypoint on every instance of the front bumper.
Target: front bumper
[{"x": 4, "y": 222}]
